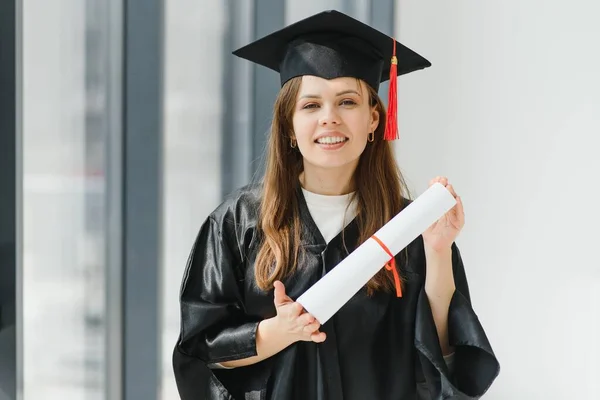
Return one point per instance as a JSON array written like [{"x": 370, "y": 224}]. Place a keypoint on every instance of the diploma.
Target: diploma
[{"x": 333, "y": 290}]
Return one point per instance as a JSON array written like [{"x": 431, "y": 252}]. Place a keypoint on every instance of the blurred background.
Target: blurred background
[{"x": 132, "y": 120}]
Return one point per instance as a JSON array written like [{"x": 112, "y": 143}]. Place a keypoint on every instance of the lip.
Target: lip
[
  {"x": 330, "y": 134},
  {"x": 331, "y": 147}
]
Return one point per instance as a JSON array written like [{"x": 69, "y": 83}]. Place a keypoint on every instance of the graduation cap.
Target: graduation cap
[{"x": 330, "y": 45}]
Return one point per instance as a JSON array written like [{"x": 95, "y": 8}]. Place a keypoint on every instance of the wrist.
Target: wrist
[
  {"x": 439, "y": 280},
  {"x": 442, "y": 254},
  {"x": 270, "y": 331}
]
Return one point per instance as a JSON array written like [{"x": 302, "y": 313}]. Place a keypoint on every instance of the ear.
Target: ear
[{"x": 374, "y": 119}]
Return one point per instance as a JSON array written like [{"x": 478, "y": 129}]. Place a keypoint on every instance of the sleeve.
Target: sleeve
[
  {"x": 214, "y": 325},
  {"x": 474, "y": 366}
]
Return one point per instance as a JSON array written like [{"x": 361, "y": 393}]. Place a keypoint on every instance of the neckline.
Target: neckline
[
  {"x": 317, "y": 241},
  {"x": 322, "y": 200}
]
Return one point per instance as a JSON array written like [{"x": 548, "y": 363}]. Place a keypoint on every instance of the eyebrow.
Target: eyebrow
[{"x": 316, "y": 96}]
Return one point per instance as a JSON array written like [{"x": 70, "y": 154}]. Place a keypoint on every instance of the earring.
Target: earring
[
  {"x": 293, "y": 143},
  {"x": 371, "y": 136}
]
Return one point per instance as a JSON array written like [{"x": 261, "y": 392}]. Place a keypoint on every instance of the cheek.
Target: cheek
[
  {"x": 359, "y": 125},
  {"x": 303, "y": 127}
]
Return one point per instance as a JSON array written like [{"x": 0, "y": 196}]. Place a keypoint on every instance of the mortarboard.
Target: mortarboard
[{"x": 330, "y": 45}]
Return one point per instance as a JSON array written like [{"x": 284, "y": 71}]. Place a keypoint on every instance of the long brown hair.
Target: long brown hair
[{"x": 380, "y": 193}]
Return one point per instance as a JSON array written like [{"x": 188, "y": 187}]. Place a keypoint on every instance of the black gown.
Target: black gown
[{"x": 379, "y": 347}]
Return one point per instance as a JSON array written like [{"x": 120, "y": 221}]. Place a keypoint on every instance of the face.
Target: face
[{"x": 332, "y": 120}]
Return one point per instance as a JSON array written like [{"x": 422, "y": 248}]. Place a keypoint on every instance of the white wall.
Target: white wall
[{"x": 510, "y": 112}]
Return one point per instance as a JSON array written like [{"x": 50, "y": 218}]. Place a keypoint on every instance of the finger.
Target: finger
[
  {"x": 280, "y": 296},
  {"x": 291, "y": 312},
  {"x": 312, "y": 327},
  {"x": 318, "y": 337},
  {"x": 279, "y": 292},
  {"x": 460, "y": 210},
  {"x": 450, "y": 188},
  {"x": 295, "y": 310},
  {"x": 439, "y": 179},
  {"x": 305, "y": 319},
  {"x": 457, "y": 215}
]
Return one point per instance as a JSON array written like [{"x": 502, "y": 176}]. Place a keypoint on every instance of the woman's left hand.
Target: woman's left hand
[{"x": 442, "y": 233}]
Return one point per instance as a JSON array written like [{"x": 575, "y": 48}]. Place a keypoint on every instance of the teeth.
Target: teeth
[{"x": 331, "y": 140}]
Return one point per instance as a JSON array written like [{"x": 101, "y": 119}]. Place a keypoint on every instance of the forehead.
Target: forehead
[{"x": 315, "y": 85}]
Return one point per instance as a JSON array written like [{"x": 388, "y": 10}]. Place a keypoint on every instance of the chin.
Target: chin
[{"x": 332, "y": 163}]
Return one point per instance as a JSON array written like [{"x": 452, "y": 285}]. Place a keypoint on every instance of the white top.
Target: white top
[{"x": 330, "y": 213}]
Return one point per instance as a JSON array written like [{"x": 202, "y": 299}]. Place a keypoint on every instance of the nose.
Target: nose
[{"x": 329, "y": 117}]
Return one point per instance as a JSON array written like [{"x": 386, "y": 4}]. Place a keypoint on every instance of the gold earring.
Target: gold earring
[
  {"x": 293, "y": 143},
  {"x": 371, "y": 136}
]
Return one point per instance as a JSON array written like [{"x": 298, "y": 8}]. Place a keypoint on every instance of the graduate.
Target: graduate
[{"x": 331, "y": 181}]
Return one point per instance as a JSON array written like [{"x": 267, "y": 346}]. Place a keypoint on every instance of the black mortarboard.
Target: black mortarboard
[{"x": 332, "y": 45}]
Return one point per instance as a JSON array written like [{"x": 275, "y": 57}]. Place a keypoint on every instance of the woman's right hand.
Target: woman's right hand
[
  {"x": 292, "y": 321},
  {"x": 290, "y": 325}
]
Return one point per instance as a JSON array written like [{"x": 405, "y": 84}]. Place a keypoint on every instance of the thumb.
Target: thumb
[{"x": 280, "y": 296}]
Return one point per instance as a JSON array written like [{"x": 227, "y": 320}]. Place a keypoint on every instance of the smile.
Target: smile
[{"x": 331, "y": 140}]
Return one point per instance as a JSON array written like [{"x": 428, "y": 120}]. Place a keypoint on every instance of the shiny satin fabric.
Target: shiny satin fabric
[{"x": 379, "y": 347}]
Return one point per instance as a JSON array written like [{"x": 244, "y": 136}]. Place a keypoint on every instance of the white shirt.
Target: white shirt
[{"x": 330, "y": 213}]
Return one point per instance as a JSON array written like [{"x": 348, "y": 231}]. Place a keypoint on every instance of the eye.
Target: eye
[
  {"x": 348, "y": 102},
  {"x": 310, "y": 105}
]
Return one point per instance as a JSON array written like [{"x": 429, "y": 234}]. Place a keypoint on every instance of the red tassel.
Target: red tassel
[{"x": 391, "y": 124}]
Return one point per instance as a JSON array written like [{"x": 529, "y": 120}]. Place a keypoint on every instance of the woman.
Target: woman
[{"x": 331, "y": 181}]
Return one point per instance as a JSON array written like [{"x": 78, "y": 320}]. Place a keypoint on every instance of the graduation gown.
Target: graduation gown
[{"x": 379, "y": 347}]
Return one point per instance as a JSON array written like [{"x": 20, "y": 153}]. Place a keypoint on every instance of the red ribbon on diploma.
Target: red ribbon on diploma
[{"x": 391, "y": 266}]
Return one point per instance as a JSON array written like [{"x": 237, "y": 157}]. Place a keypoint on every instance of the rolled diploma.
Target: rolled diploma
[{"x": 333, "y": 290}]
